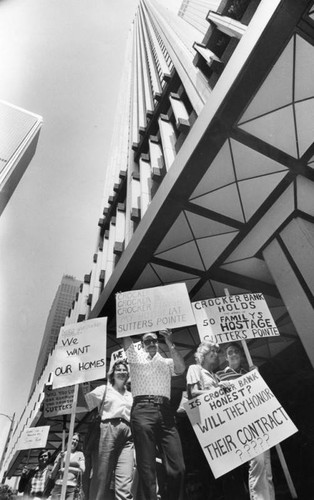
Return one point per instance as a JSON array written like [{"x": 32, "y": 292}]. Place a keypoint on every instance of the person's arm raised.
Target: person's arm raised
[
  {"x": 178, "y": 361},
  {"x": 127, "y": 341}
]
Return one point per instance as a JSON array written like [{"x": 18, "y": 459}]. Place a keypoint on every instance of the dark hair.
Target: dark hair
[
  {"x": 6, "y": 492},
  {"x": 42, "y": 452},
  {"x": 79, "y": 444},
  {"x": 117, "y": 363},
  {"x": 234, "y": 344}
]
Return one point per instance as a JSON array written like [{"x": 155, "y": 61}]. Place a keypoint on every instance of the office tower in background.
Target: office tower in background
[
  {"x": 19, "y": 132},
  {"x": 66, "y": 294}
]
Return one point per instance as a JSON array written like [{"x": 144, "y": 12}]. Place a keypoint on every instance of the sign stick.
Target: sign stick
[
  {"x": 286, "y": 472},
  {"x": 28, "y": 456},
  {"x": 68, "y": 452},
  {"x": 27, "y": 459},
  {"x": 64, "y": 430},
  {"x": 281, "y": 457}
]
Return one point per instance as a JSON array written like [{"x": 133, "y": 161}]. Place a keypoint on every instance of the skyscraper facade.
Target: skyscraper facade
[
  {"x": 62, "y": 303},
  {"x": 19, "y": 132},
  {"x": 195, "y": 12},
  {"x": 210, "y": 180}
]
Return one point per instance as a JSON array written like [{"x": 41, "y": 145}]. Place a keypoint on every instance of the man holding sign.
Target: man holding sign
[
  {"x": 152, "y": 419},
  {"x": 36, "y": 482}
]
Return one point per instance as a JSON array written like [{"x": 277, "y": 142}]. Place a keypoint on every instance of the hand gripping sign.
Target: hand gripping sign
[
  {"x": 233, "y": 318},
  {"x": 153, "y": 309},
  {"x": 236, "y": 424}
]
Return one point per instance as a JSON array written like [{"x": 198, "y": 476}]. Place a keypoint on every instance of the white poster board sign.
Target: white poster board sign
[
  {"x": 233, "y": 318},
  {"x": 60, "y": 402},
  {"x": 121, "y": 354},
  {"x": 33, "y": 437},
  {"x": 153, "y": 309},
  {"x": 234, "y": 426},
  {"x": 80, "y": 354}
]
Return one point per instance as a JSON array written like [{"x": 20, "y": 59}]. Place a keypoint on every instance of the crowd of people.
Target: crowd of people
[{"x": 137, "y": 453}]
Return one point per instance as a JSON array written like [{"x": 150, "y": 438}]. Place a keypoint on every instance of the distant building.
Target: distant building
[
  {"x": 210, "y": 182},
  {"x": 19, "y": 132},
  {"x": 65, "y": 296}
]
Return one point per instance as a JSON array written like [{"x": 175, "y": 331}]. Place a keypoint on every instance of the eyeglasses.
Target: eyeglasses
[
  {"x": 233, "y": 351},
  {"x": 150, "y": 341}
]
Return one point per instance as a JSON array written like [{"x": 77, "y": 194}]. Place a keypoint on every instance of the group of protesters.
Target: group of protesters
[
  {"x": 138, "y": 452},
  {"x": 46, "y": 480}
]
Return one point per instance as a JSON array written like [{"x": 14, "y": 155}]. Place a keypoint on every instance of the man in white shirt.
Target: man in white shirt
[{"x": 152, "y": 418}]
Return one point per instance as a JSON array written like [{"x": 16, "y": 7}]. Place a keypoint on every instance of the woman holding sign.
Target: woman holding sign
[
  {"x": 114, "y": 456},
  {"x": 76, "y": 469},
  {"x": 200, "y": 378}
]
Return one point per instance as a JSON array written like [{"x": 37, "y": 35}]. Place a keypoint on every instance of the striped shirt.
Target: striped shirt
[{"x": 230, "y": 374}]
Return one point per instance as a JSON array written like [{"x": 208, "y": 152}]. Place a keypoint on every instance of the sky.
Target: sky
[{"x": 60, "y": 59}]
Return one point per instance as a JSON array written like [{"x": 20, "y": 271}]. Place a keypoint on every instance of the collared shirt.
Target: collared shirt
[
  {"x": 39, "y": 480},
  {"x": 116, "y": 405},
  {"x": 203, "y": 378},
  {"x": 230, "y": 374},
  {"x": 149, "y": 376}
]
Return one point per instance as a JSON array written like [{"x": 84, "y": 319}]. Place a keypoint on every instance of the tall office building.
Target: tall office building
[
  {"x": 19, "y": 132},
  {"x": 195, "y": 12},
  {"x": 64, "y": 298},
  {"x": 210, "y": 182}
]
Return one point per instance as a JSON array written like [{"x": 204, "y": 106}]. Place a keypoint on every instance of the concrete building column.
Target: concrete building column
[{"x": 290, "y": 258}]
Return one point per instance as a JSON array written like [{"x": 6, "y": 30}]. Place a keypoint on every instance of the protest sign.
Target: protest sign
[
  {"x": 80, "y": 354},
  {"x": 33, "y": 437},
  {"x": 239, "y": 423},
  {"x": 153, "y": 309},
  {"x": 233, "y": 318},
  {"x": 121, "y": 354},
  {"x": 118, "y": 355},
  {"x": 60, "y": 402}
]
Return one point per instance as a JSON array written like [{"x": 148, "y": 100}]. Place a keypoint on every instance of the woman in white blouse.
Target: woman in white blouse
[
  {"x": 76, "y": 468},
  {"x": 201, "y": 377},
  {"x": 114, "y": 458}
]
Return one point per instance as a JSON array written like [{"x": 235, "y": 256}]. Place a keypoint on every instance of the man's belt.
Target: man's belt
[
  {"x": 157, "y": 400},
  {"x": 115, "y": 420}
]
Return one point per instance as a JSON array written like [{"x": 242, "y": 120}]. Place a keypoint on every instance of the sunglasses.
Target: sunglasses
[{"x": 150, "y": 341}]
